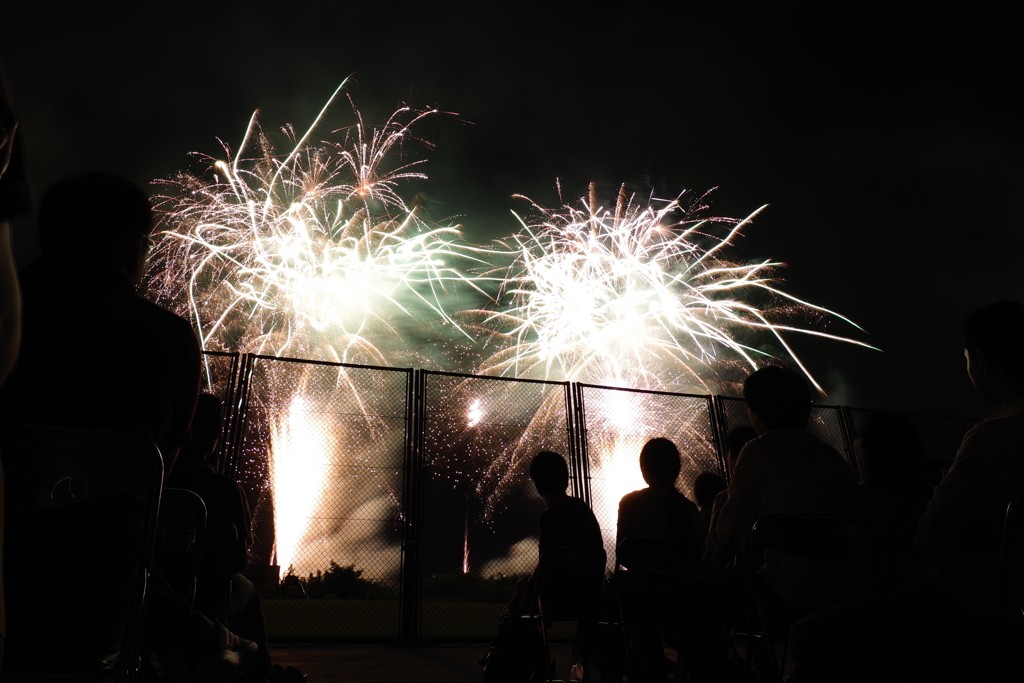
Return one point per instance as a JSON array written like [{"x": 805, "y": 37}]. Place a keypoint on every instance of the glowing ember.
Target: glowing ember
[
  {"x": 475, "y": 414},
  {"x": 299, "y": 450}
]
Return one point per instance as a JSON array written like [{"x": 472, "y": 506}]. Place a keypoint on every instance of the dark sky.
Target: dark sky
[{"x": 886, "y": 144}]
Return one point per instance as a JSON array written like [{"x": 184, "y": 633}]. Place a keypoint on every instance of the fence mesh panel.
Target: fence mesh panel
[
  {"x": 826, "y": 423},
  {"x": 480, "y": 510},
  {"x": 218, "y": 373},
  {"x": 618, "y": 424},
  {"x": 218, "y": 376},
  {"x": 322, "y": 457}
]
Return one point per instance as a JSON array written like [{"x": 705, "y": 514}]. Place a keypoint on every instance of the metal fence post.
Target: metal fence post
[
  {"x": 412, "y": 529},
  {"x": 577, "y": 425},
  {"x": 719, "y": 429}
]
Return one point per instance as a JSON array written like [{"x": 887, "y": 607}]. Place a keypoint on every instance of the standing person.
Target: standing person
[
  {"x": 96, "y": 355},
  {"x": 568, "y": 522}
]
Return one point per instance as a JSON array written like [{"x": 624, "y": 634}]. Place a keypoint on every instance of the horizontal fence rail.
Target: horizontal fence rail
[{"x": 396, "y": 504}]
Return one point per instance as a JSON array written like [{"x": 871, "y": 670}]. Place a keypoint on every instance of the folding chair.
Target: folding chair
[
  {"x": 804, "y": 536},
  {"x": 181, "y": 528},
  {"x": 81, "y": 509},
  {"x": 1009, "y": 595},
  {"x": 213, "y": 590},
  {"x": 568, "y": 589},
  {"x": 657, "y": 567}
]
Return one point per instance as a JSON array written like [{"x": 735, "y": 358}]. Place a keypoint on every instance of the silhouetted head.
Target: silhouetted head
[
  {"x": 706, "y": 486},
  {"x": 660, "y": 463},
  {"x": 207, "y": 426},
  {"x": 778, "y": 397},
  {"x": 549, "y": 472},
  {"x": 97, "y": 218},
  {"x": 993, "y": 336},
  {"x": 890, "y": 455},
  {"x": 736, "y": 439}
]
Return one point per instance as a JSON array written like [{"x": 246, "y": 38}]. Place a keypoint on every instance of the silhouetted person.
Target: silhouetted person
[
  {"x": 735, "y": 440},
  {"x": 567, "y": 523},
  {"x": 221, "y": 589},
  {"x": 96, "y": 355},
  {"x": 706, "y": 488},
  {"x": 659, "y": 510},
  {"x": 894, "y": 485},
  {"x": 947, "y": 606},
  {"x": 785, "y": 471},
  {"x": 14, "y": 200}
]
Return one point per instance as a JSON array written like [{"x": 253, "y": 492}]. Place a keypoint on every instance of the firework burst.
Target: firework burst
[
  {"x": 629, "y": 297},
  {"x": 313, "y": 254}
]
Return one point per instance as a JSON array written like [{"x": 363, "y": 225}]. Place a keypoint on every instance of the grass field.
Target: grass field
[{"x": 377, "y": 620}]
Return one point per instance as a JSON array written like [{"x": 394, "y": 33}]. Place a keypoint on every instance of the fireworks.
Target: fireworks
[
  {"x": 314, "y": 255},
  {"x": 629, "y": 297}
]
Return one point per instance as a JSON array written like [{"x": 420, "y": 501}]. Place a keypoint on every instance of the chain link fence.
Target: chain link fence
[
  {"x": 322, "y": 456},
  {"x": 617, "y": 424},
  {"x": 480, "y": 509},
  {"x": 397, "y": 503},
  {"x": 218, "y": 376},
  {"x": 826, "y": 423}
]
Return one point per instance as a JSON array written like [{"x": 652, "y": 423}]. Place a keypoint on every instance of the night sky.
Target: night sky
[{"x": 887, "y": 145}]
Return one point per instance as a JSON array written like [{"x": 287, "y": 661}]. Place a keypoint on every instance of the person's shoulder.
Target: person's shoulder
[{"x": 633, "y": 497}]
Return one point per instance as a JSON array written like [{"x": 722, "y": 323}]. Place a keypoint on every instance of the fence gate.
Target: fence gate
[
  {"x": 479, "y": 509},
  {"x": 321, "y": 450},
  {"x": 615, "y": 425}
]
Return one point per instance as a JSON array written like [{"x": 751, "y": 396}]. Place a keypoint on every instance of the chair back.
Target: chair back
[
  {"x": 1008, "y": 605},
  {"x": 660, "y": 555},
  {"x": 213, "y": 588},
  {"x": 81, "y": 509},
  {"x": 812, "y": 537},
  {"x": 570, "y": 579},
  {"x": 180, "y": 533},
  {"x": 650, "y": 590}
]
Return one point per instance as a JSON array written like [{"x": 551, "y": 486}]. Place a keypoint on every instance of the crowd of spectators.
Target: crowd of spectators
[
  {"x": 916, "y": 602},
  {"x": 80, "y": 348}
]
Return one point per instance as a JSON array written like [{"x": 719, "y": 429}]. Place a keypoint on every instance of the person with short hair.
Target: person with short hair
[
  {"x": 660, "y": 509},
  {"x": 515, "y": 652},
  {"x": 785, "y": 471},
  {"x": 96, "y": 355},
  {"x": 945, "y": 607}
]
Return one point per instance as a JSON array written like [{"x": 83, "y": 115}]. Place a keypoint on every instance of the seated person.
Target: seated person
[
  {"x": 706, "y": 488},
  {"x": 135, "y": 369},
  {"x": 660, "y": 509},
  {"x": 785, "y": 471},
  {"x": 221, "y": 589},
  {"x": 567, "y": 523},
  {"x": 949, "y": 605},
  {"x": 735, "y": 440},
  {"x": 890, "y": 457},
  {"x": 194, "y": 471}
]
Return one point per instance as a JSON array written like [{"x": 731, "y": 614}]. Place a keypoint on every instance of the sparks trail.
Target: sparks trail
[
  {"x": 629, "y": 297},
  {"x": 311, "y": 254},
  {"x": 315, "y": 255}
]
